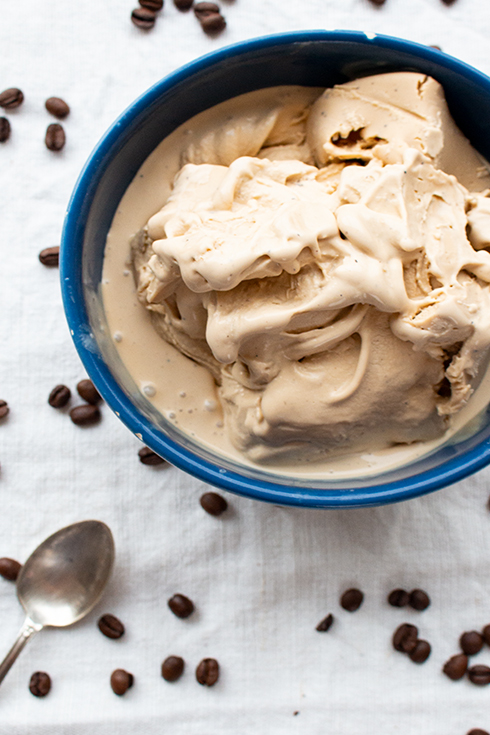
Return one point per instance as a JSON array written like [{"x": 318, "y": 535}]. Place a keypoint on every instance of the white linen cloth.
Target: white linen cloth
[{"x": 261, "y": 576}]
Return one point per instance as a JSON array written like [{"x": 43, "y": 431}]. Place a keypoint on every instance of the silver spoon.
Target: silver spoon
[{"x": 62, "y": 580}]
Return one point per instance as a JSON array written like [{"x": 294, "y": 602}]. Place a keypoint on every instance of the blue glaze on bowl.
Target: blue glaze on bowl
[{"x": 311, "y": 58}]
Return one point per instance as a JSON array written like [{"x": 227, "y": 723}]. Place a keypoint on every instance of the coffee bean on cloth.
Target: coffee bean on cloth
[
  {"x": 455, "y": 667},
  {"x": 351, "y": 599},
  {"x": 11, "y": 98},
  {"x": 57, "y": 107},
  {"x": 110, "y": 626},
  {"x": 121, "y": 681},
  {"x": 59, "y": 396},
  {"x": 9, "y": 568},
  {"x": 213, "y": 503},
  {"x": 40, "y": 684},
  {"x": 207, "y": 672},
  {"x": 181, "y": 606},
  {"x": 50, "y": 256},
  {"x": 172, "y": 668}
]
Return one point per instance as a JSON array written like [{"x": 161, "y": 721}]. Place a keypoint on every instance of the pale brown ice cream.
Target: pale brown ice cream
[{"x": 315, "y": 259}]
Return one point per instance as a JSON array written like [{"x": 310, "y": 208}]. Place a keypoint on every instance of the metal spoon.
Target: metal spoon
[{"x": 62, "y": 580}]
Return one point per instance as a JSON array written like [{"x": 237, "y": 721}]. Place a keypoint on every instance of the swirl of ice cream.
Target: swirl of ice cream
[{"x": 339, "y": 306}]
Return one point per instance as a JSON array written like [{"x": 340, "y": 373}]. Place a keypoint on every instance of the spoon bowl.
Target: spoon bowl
[
  {"x": 65, "y": 576},
  {"x": 62, "y": 580}
]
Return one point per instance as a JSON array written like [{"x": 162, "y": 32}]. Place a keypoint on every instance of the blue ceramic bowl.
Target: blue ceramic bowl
[{"x": 312, "y": 58}]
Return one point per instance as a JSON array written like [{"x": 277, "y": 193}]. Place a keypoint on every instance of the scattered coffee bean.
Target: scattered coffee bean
[
  {"x": 421, "y": 652},
  {"x": 4, "y": 408},
  {"x": 207, "y": 672},
  {"x": 121, "y": 681},
  {"x": 87, "y": 390},
  {"x": 59, "y": 396},
  {"x": 419, "y": 600},
  {"x": 405, "y": 638},
  {"x": 55, "y": 137},
  {"x": 351, "y": 600},
  {"x": 11, "y": 98},
  {"x": 212, "y": 23},
  {"x": 398, "y": 598},
  {"x": 183, "y": 4},
  {"x": 4, "y": 129},
  {"x": 455, "y": 667},
  {"x": 448, "y": 2},
  {"x": 110, "y": 626},
  {"x": 209, "y": 16},
  {"x": 479, "y": 675},
  {"x": 148, "y": 456},
  {"x": 378, "y": 3},
  {"x": 204, "y": 7},
  {"x": 9, "y": 568},
  {"x": 486, "y": 634},
  {"x": 57, "y": 107},
  {"x": 85, "y": 415},
  {"x": 154, "y": 5},
  {"x": 50, "y": 256},
  {"x": 213, "y": 503},
  {"x": 477, "y": 731},
  {"x": 40, "y": 684},
  {"x": 143, "y": 18},
  {"x": 173, "y": 668},
  {"x": 181, "y": 606},
  {"x": 471, "y": 642},
  {"x": 325, "y": 624}
]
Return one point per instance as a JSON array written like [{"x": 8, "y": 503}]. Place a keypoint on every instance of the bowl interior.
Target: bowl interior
[{"x": 314, "y": 58}]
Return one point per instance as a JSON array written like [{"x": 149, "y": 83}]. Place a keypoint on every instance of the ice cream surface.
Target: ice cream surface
[{"x": 323, "y": 256}]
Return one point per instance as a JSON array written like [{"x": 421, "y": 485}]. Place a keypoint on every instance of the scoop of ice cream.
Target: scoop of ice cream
[
  {"x": 380, "y": 116},
  {"x": 340, "y": 308}
]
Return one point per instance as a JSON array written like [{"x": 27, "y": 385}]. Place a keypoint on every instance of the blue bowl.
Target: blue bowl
[{"x": 311, "y": 58}]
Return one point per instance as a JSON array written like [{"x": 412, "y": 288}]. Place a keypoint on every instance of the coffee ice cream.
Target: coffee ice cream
[{"x": 323, "y": 257}]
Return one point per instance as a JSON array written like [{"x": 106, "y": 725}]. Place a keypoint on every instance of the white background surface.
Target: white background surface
[{"x": 261, "y": 577}]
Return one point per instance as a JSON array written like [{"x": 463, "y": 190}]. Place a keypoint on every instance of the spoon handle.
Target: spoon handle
[{"x": 26, "y": 632}]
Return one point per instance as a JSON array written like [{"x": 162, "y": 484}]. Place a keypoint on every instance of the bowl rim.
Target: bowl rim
[{"x": 426, "y": 481}]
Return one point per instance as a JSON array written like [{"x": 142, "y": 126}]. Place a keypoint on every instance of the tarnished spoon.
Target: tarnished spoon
[{"x": 62, "y": 580}]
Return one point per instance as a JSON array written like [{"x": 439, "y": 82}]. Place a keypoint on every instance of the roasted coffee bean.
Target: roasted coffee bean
[
  {"x": 154, "y": 5},
  {"x": 479, "y": 675},
  {"x": 55, "y": 137},
  {"x": 455, "y": 667},
  {"x": 421, "y": 652},
  {"x": 419, "y": 600},
  {"x": 207, "y": 672},
  {"x": 59, "y": 396},
  {"x": 143, "y": 18},
  {"x": 486, "y": 634},
  {"x": 477, "y": 731},
  {"x": 57, "y": 107},
  {"x": 4, "y": 129},
  {"x": 11, "y": 98},
  {"x": 209, "y": 17},
  {"x": 121, "y": 681},
  {"x": 148, "y": 456},
  {"x": 325, "y": 624},
  {"x": 173, "y": 668},
  {"x": 4, "y": 409},
  {"x": 352, "y": 599},
  {"x": 9, "y": 568},
  {"x": 212, "y": 23},
  {"x": 471, "y": 642},
  {"x": 398, "y": 598},
  {"x": 213, "y": 503},
  {"x": 40, "y": 684},
  {"x": 50, "y": 256},
  {"x": 85, "y": 415},
  {"x": 111, "y": 626},
  {"x": 204, "y": 7},
  {"x": 183, "y": 4},
  {"x": 405, "y": 638},
  {"x": 378, "y": 3},
  {"x": 448, "y": 2},
  {"x": 181, "y": 606},
  {"x": 87, "y": 390}
]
